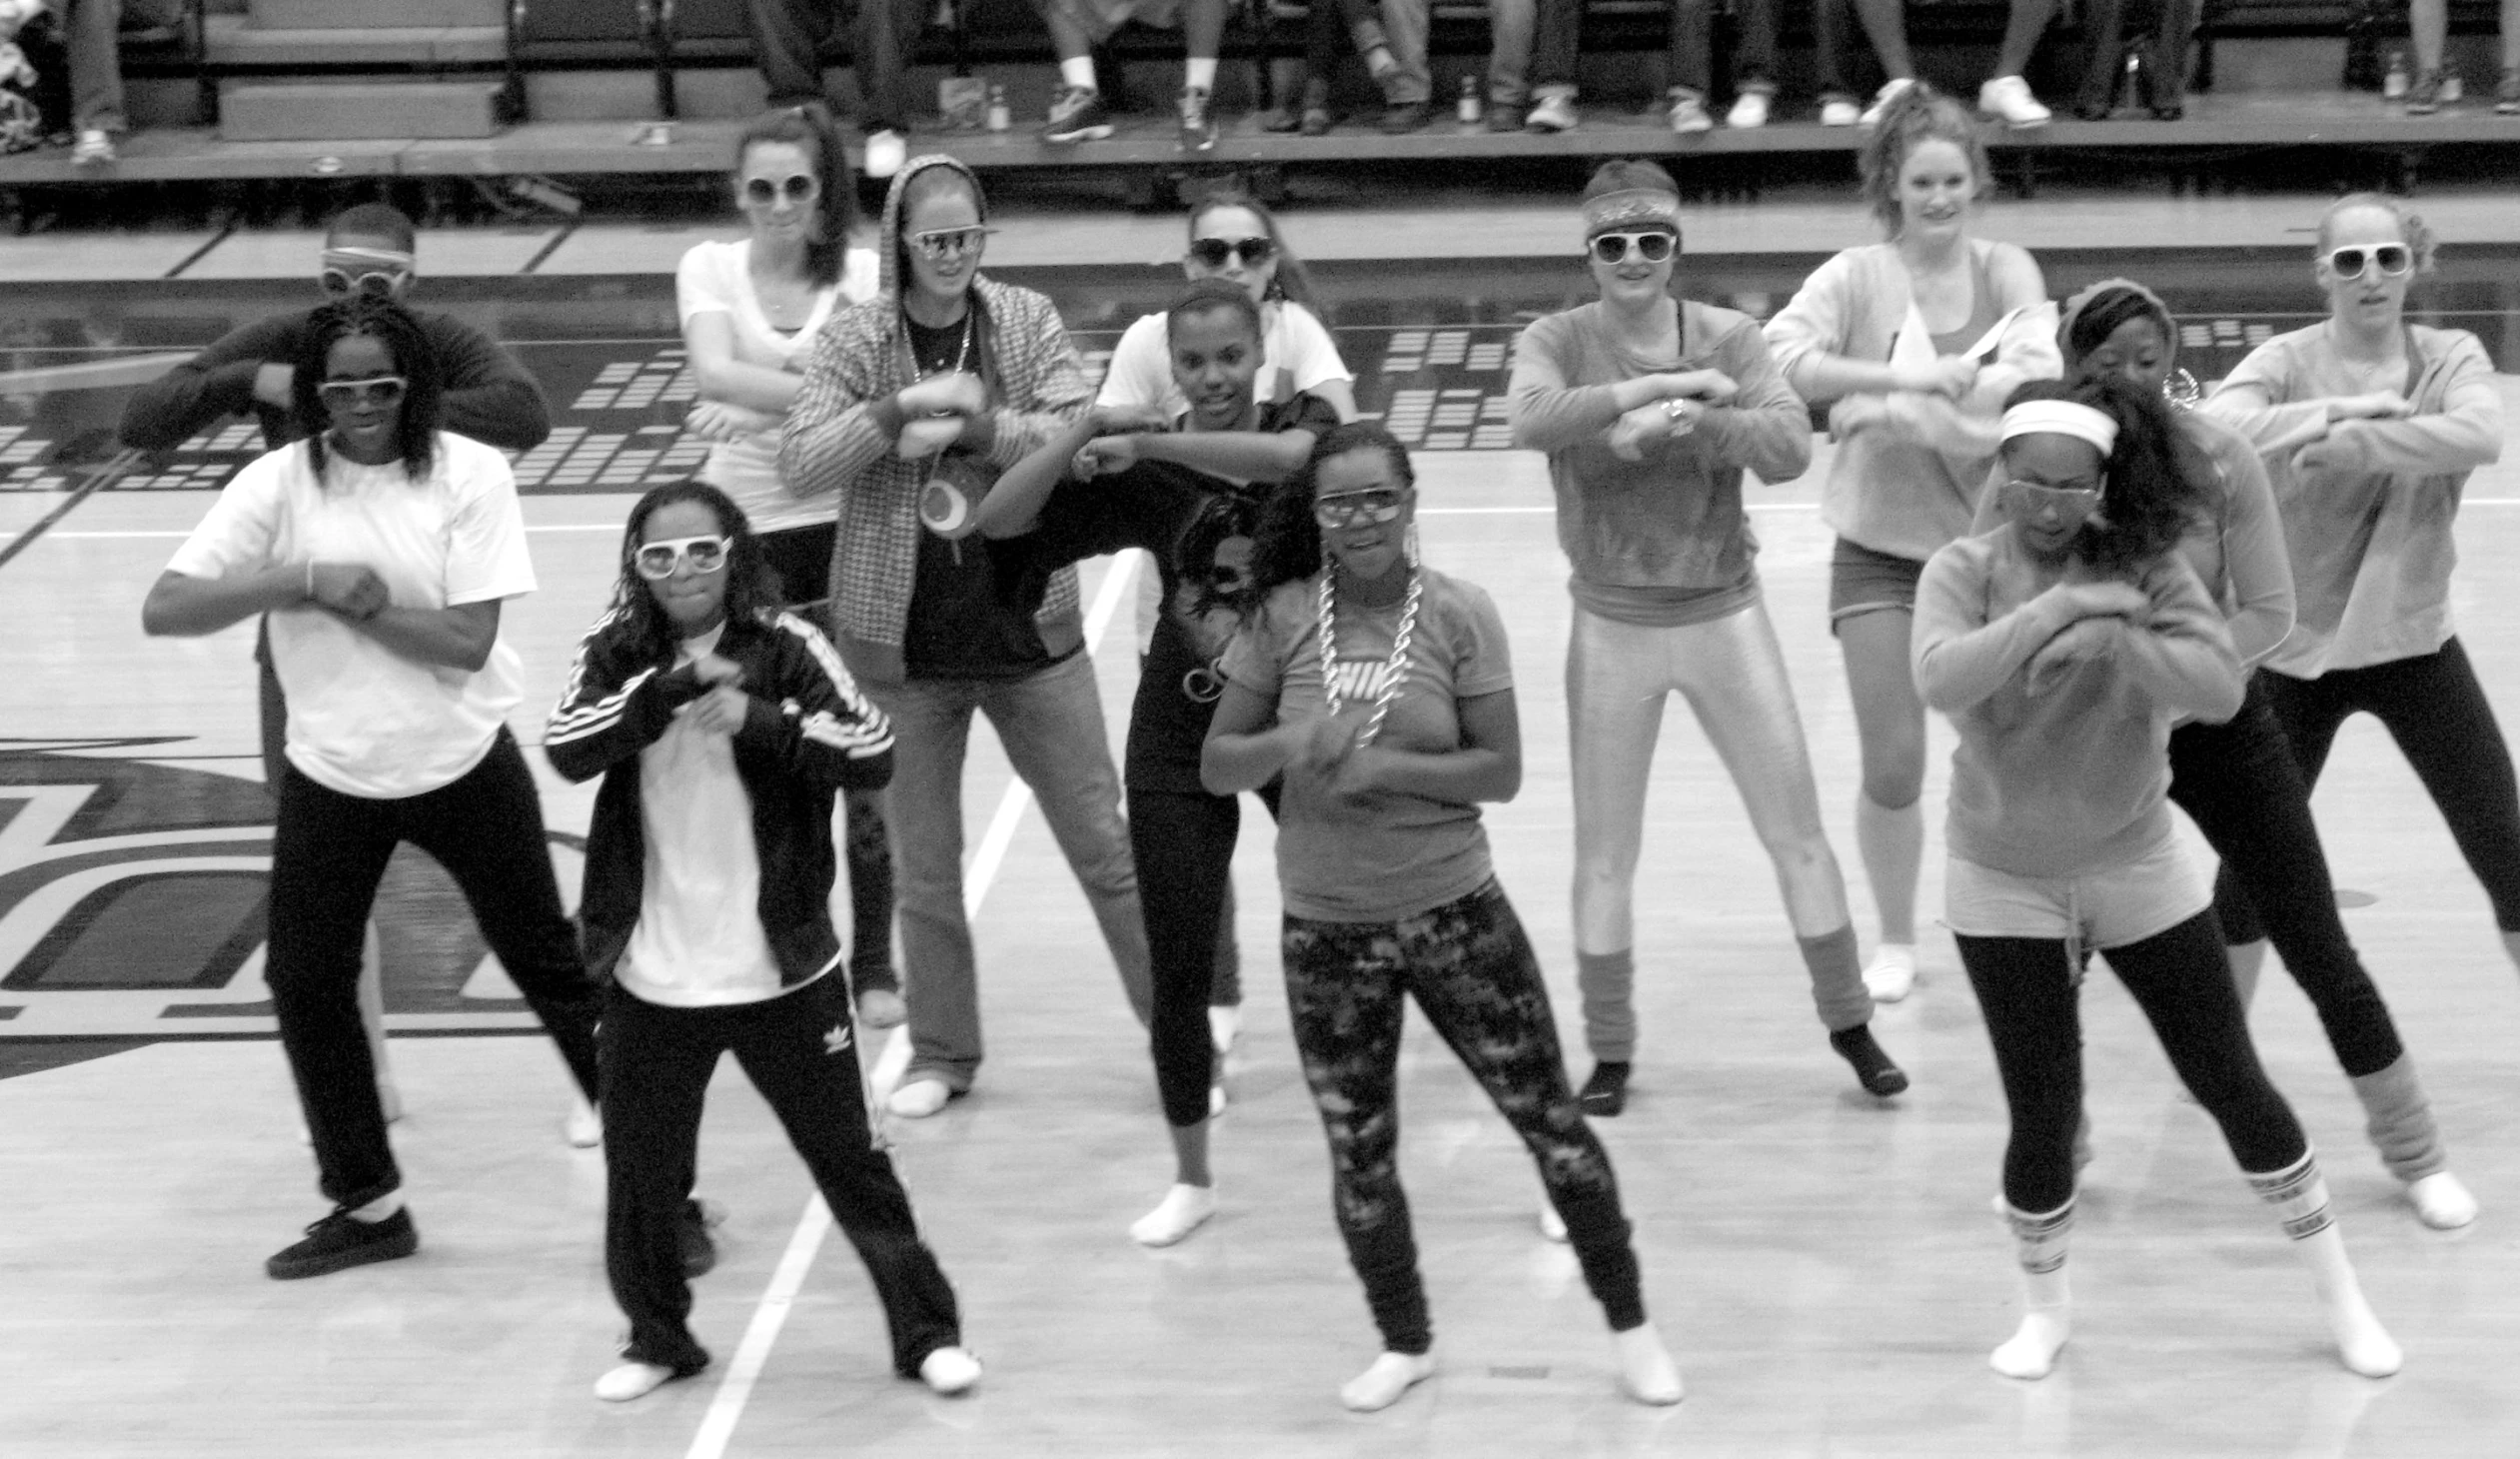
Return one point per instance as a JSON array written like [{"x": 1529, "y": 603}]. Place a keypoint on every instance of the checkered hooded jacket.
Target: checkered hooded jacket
[{"x": 832, "y": 441}]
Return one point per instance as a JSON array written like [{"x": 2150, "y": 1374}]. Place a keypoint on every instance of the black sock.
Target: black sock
[{"x": 1872, "y": 1068}]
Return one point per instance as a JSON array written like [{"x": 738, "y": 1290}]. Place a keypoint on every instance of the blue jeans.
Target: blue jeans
[
  {"x": 1051, "y": 724},
  {"x": 1531, "y": 48}
]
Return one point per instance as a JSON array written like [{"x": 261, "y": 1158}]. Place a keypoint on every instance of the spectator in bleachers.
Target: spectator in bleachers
[
  {"x": 1078, "y": 113},
  {"x": 2428, "y": 22},
  {"x": 2162, "y": 77},
  {"x": 1531, "y": 59},
  {"x": 2006, "y": 96},
  {"x": 1328, "y": 30},
  {"x": 788, "y": 36},
  {"x": 1693, "y": 63},
  {"x": 90, "y": 33}
]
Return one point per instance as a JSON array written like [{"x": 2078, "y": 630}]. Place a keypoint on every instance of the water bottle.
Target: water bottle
[
  {"x": 1000, "y": 118},
  {"x": 2394, "y": 84},
  {"x": 1466, "y": 109}
]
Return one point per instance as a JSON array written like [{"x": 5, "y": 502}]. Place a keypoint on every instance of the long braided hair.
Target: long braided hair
[{"x": 424, "y": 394}]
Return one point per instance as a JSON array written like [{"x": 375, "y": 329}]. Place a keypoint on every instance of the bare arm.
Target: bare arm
[
  {"x": 709, "y": 340},
  {"x": 1246, "y": 747},
  {"x": 442, "y": 638},
  {"x": 1257, "y": 455},
  {"x": 1013, "y": 505},
  {"x": 180, "y": 606}
]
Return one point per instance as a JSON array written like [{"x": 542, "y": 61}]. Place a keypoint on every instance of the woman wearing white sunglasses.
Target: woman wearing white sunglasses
[
  {"x": 2369, "y": 426},
  {"x": 751, "y": 310},
  {"x": 1651, "y": 409}
]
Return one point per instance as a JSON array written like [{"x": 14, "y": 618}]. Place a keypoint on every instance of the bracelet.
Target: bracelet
[{"x": 1675, "y": 411}]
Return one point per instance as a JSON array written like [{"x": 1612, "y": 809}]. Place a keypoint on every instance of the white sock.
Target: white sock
[
  {"x": 1890, "y": 842},
  {"x": 1184, "y": 1209},
  {"x": 1380, "y": 1385},
  {"x": 1646, "y": 1369},
  {"x": 2046, "y": 1321},
  {"x": 380, "y": 1210},
  {"x": 631, "y": 1380},
  {"x": 2299, "y": 1195},
  {"x": 2441, "y": 1201},
  {"x": 1891, "y": 973},
  {"x": 1199, "y": 74},
  {"x": 1078, "y": 71}
]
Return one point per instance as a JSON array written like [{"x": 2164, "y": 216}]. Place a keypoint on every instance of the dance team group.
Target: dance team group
[{"x": 2121, "y": 596}]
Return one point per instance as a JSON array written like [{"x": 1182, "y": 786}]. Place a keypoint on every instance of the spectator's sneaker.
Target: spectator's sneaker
[
  {"x": 1505, "y": 116},
  {"x": 1199, "y": 129},
  {"x": 2507, "y": 95},
  {"x": 1891, "y": 91},
  {"x": 1076, "y": 115},
  {"x": 1552, "y": 113},
  {"x": 341, "y": 1241},
  {"x": 1687, "y": 114},
  {"x": 2424, "y": 97},
  {"x": 2008, "y": 99},
  {"x": 1749, "y": 109},
  {"x": 886, "y": 150},
  {"x": 1404, "y": 117},
  {"x": 93, "y": 149},
  {"x": 1838, "y": 111}
]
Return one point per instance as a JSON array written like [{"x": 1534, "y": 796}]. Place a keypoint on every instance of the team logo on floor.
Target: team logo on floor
[{"x": 133, "y": 899}]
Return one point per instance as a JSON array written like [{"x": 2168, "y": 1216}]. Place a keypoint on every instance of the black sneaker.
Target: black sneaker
[
  {"x": 691, "y": 1228},
  {"x": 1076, "y": 115},
  {"x": 341, "y": 1241}
]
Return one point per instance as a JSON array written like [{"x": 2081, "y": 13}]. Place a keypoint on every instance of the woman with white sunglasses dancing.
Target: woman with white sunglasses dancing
[
  {"x": 1651, "y": 409},
  {"x": 2369, "y": 426}
]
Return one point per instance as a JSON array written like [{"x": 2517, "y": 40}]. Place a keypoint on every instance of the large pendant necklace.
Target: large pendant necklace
[{"x": 1389, "y": 689}]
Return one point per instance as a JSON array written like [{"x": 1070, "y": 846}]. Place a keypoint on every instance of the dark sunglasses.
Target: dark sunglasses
[
  {"x": 1211, "y": 253},
  {"x": 1612, "y": 247},
  {"x": 656, "y": 560},
  {"x": 343, "y": 395},
  {"x": 2392, "y": 259},
  {"x": 1373, "y": 506},
  {"x": 799, "y": 189}
]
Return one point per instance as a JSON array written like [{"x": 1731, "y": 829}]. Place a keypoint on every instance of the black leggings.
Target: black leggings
[
  {"x": 329, "y": 851},
  {"x": 1183, "y": 842},
  {"x": 796, "y": 1049},
  {"x": 801, "y": 557},
  {"x": 2436, "y": 712},
  {"x": 2027, "y": 988},
  {"x": 2239, "y": 784},
  {"x": 1472, "y": 972}
]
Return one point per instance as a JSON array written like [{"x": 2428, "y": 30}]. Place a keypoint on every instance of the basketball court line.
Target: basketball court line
[{"x": 726, "y": 1405}]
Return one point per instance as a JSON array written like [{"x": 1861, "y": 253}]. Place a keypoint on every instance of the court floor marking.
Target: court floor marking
[{"x": 726, "y": 1407}]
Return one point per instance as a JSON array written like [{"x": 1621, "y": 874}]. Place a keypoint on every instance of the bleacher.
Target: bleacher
[{"x": 244, "y": 89}]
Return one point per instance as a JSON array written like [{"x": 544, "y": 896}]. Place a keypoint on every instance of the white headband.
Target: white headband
[{"x": 2062, "y": 418}]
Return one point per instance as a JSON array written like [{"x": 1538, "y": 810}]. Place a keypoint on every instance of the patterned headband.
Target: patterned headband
[{"x": 1631, "y": 206}]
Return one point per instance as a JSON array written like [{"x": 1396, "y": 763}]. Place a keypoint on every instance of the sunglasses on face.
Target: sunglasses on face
[
  {"x": 656, "y": 560},
  {"x": 343, "y": 395},
  {"x": 341, "y": 281},
  {"x": 2067, "y": 500},
  {"x": 1211, "y": 253},
  {"x": 1372, "y": 507},
  {"x": 944, "y": 243},
  {"x": 1612, "y": 247},
  {"x": 762, "y": 192},
  {"x": 2391, "y": 259}
]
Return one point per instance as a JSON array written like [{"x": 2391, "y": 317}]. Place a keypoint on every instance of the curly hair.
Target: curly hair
[
  {"x": 1917, "y": 115},
  {"x": 424, "y": 391},
  {"x": 2421, "y": 239},
  {"x": 752, "y": 587},
  {"x": 2153, "y": 494},
  {"x": 1292, "y": 280},
  {"x": 1286, "y": 543},
  {"x": 835, "y": 208}
]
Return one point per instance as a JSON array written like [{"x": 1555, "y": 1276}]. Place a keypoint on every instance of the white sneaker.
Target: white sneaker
[
  {"x": 1552, "y": 113},
  {"x": 1551, "y": 1225},
  {"x": 1385, "y": 1380},
  {"x": 1749, "y": 109},
  {"x": 2441, "y": 1201},
  {"x": 1891, "y": 973},
  {"x": 1689, "y": 115},
  {"x": 920, "y": 1099},
  {"x": 93, "y": 149},
  {"x": 949, "y": 1371},
  {"x": 583, "y": 1127},
  {"x": 631, "y": 1380},
  {"x": 1224, "y": 1025},
  {"x": 1891, "y": 91},
  {"x": 1839, "y": 112},
  {"x": 1184, "y": 1209},
  {"x": 2008, "y": 97},
  {"x": 885, "y": 152}
]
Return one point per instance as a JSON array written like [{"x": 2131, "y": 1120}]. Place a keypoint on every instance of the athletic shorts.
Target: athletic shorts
[
  {"x": 2110, "y": 908},
  {"x": 1862, "y": 581}
]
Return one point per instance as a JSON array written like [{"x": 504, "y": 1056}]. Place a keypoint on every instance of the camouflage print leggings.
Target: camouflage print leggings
[{"x": 1472, "y": 973}]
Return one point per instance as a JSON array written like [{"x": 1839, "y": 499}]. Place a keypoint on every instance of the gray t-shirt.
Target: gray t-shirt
[{"x": 1378, "y": 857}]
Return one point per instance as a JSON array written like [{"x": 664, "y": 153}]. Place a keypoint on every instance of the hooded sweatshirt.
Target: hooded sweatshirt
[{"x": 834, "y": 440}]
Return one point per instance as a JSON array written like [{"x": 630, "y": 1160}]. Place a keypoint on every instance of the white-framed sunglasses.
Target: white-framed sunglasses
[
  {"x": 943, "y": 242},
  {"x": 374, "y": 271},
  {"x": 2391, "y": 259},
  {"x": 344, "y": 395},
  {"x": 656, "y": 560}
]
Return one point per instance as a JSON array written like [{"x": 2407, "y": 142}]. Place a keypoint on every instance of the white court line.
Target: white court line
[{"x": 726, "y": 1407}]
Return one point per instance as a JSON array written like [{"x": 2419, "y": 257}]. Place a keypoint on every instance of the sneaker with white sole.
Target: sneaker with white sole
[
  {"x": 1076, "y": 115},
  {"x": 920, "y": 1098},
  {"x": 1687, "y": 114},
  {"x": 2008, "y": 99},
  {"x": 886, "y": 150},
  {"x": 93, "y": 149},
  {"x": 1198, "y": 123},
  {"x": 1839, "y": 111},
  {"x": 1750, "y": 110},
  {"x": 1552, "y": 113},
  {"x": 949, "y": 1371},
  {"x": 1891, "y": 91}
]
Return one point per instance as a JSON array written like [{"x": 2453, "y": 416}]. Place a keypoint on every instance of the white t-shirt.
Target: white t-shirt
[
  {"x": 1296, "y": 355},
  {"x": 699, "y": 943},
  {"x": 364, "y": 720},
  {"x": 715, "y": 278}
]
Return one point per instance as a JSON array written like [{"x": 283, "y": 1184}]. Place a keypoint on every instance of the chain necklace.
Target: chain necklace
[{"x": 1388, "y": 689}]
